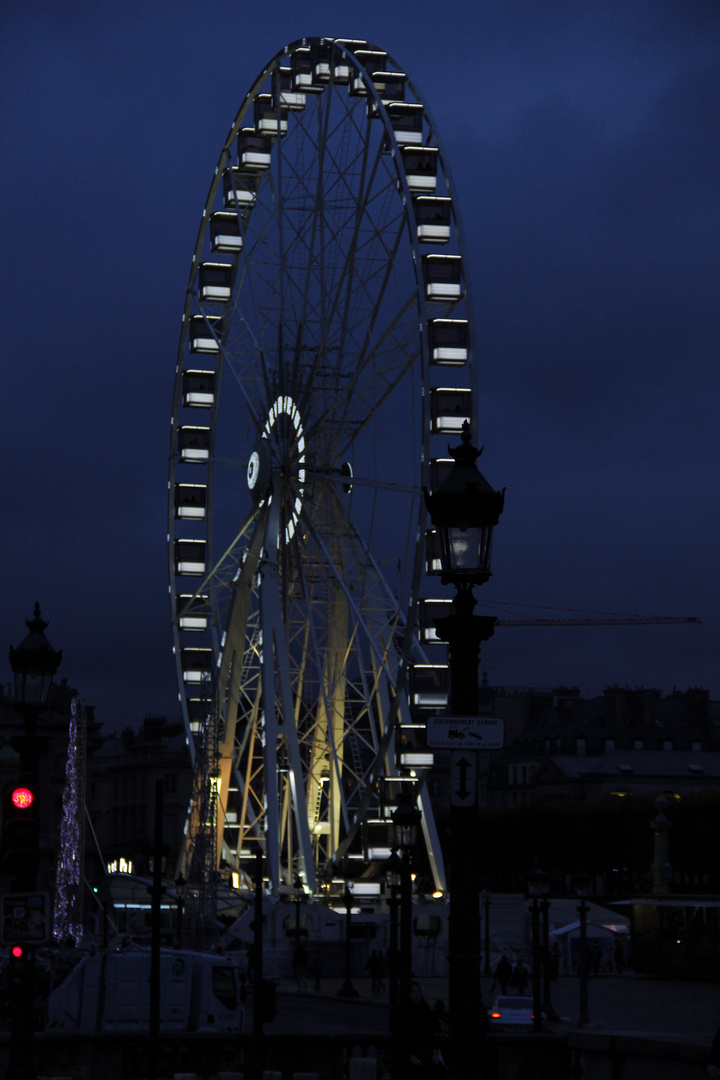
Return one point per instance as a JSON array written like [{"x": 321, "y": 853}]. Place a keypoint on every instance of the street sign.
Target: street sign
[
  {"x": 463, "y": 778},
  {"x": 25, "y": 919},
  {"x": 468, "y": 732}
]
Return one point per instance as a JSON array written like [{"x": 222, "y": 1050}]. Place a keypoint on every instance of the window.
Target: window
[
  {"x": 609, "y": 746},
  {"x": 639, "y": 744},
  {"x": 696, "y": 745},
  {"x": 223, "y": 986},
  {"x": 667, "y": 744},
  {"x": 170, "y": 783},
  {"x": 581, "y": 746}
]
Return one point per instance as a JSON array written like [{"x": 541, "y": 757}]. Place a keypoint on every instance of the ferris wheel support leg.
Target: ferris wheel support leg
[
  {"x": 432, "y": 840},
  {"x": 270, "y": 764},
  {"x": 276, "y": 684},
  {"x": 299, "y": 808}
]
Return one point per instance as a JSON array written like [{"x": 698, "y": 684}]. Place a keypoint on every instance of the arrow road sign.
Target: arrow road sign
[
  {"x": 463, "y": 778},
  {"x": 469, "y": 732}
]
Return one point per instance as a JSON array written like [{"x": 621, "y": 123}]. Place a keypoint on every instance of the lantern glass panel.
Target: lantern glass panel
[{"x": 468, "y": 550}]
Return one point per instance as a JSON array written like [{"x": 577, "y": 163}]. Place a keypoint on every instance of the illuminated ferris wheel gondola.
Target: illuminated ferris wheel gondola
[{"x": 324, "y": 360}]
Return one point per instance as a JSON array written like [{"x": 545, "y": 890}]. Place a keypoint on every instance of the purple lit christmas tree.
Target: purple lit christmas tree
[{"x": 67, "y": 921}]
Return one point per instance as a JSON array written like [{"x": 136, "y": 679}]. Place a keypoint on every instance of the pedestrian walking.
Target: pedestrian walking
[{"x": 503, "y": 974}]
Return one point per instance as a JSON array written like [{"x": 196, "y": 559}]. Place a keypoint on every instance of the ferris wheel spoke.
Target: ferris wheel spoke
[
  {"x": 343, "y": 291},
  {"x": 360, "y": 563},
  {"x": 225, "y": 567},
  {"x": 373, "y": 381}
]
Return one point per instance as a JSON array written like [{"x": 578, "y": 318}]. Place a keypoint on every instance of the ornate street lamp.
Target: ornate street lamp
[
  {"x": 33, "y": 663},
  {"x": 464, "y": 509},
  {"x": 538, "y": 886}
]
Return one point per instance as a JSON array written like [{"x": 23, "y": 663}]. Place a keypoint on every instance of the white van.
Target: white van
[{"x": 110, "y": 991}]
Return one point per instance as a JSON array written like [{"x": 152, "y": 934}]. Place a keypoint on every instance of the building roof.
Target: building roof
[{"x": 638, "y": 763}]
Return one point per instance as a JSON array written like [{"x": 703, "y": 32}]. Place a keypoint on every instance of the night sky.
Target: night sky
[{"x": 583, "y": 142}]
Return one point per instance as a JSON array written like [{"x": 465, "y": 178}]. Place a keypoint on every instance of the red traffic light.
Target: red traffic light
[
  {"x": 22, "y": 798},
  {"x": 17, "y": 951}
]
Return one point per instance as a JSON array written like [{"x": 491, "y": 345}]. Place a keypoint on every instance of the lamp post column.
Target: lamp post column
[
  {"x": 584, "y": 1017},
  {"x": 348, "y": 989},
  {"x": 464, "y": 633},
  {"x": 547, "y": 1002},
  {"x": 536, "y": 965}
]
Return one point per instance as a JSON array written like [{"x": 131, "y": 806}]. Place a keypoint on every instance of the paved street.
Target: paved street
[{"x": 617, "y": 1004}]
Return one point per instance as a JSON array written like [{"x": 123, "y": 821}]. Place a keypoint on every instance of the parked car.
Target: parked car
[{"x": 512, "y": 1013}]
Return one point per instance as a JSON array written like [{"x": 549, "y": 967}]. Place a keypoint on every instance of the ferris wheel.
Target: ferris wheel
[{"x": 324, "y": 362}]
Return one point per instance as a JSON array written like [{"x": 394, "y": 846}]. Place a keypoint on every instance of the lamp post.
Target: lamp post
[
  {"x": 33, "y": 663},
  {"x": 299, "y": 892},
  {"x": 405, "y": 822},
  {"x": 347, "y": 989},
  {"x": 464, "y": 510},
  {"x": 538, "y": 884},
  {"x": 582, "y": 885},
  {"x": 547, "y": 997},
  {"x": 393, "y": 871}
]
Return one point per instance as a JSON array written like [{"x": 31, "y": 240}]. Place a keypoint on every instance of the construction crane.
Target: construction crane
[{"x": 615, "y": 620}]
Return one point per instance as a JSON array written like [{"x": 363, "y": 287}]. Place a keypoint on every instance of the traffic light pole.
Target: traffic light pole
[
  {"x": 21, "y": 852},
  {"x": 22, "y": 976}
]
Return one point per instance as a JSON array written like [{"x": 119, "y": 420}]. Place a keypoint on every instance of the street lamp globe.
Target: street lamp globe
[
  {"x": 464, "y": 510},
  {"x": 33, "y": 663},
  {"x": 538, "y": 883}
]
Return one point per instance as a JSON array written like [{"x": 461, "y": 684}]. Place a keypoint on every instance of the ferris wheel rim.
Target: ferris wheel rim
[{"x": 419, "y": 299}]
